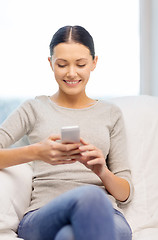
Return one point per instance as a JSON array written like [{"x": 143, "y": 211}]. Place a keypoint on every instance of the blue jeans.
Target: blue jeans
[{"x": 83, "y": 213}]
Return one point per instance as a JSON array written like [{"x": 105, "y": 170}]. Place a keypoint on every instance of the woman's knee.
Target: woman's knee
[
  {"x": 93, "y": 197},
  {"x": 93, "y": 192},
  {"x": 65, "y": 233}
]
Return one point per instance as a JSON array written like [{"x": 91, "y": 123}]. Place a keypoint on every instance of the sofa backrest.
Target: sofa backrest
[
  {"x": 7, "y": 105},
  {"x": 141, "y": 121}
]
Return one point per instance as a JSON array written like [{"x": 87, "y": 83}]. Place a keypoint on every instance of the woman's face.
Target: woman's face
[{"x": 72, "y": 64}]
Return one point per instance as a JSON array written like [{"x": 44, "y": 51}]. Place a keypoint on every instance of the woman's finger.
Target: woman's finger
[
  {"x": 57, "y": 156},
  {"x": 72, "y": 152},
  {"x": 82, "y": 141},
  {"x": 93, "y": 153},
  {"x": 66, "y": 147},
  {"x": 59, "y": 162},
  {"x": 96, "y": 161},
  {"x": 54, "y": 137},
  {"x": 88, "y": 147}
]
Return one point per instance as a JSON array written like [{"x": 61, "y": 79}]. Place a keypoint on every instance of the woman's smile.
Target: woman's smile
[{"x": 72, "y": 83}]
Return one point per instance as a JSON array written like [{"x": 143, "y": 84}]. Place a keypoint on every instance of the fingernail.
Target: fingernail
[
  {"x": 83, "y": 153},
  {"x": 81, "y": 148}
]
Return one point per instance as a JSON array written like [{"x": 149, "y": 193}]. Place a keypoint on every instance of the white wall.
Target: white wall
[{"x": 26, "y": 28}]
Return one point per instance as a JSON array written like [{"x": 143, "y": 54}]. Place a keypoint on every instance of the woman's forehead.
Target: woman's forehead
[{"x": 71, "y": 50}]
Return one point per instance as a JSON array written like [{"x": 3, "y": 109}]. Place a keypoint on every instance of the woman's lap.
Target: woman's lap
[{"x": 71, "y": 214}]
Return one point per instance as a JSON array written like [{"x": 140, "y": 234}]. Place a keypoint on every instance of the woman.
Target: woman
[{"x": 77, "y": 187}]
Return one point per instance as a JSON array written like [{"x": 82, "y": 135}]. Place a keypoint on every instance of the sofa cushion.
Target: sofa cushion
[{"x": 15, "y": 190}]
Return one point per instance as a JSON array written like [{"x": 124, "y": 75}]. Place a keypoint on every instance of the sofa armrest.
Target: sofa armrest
[{"x": 15, "y": 194}]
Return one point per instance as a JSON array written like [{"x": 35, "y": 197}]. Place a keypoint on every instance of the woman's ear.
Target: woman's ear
[
  {"x": 50, "y": 62},
  {"x": 95, "y": 60}
]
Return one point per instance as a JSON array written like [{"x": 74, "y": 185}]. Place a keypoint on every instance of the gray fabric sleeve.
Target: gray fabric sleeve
[
  {"x": 18, "y": 124},
  {"x": 118, "y": 155}
]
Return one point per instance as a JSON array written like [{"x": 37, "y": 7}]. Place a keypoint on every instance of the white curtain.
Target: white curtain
[{"x": 149, "y": 47}]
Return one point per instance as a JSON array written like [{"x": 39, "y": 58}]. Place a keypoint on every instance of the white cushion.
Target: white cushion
[
  {"x": 141, "y": 121},
  {"x": 15, "y": 193}
]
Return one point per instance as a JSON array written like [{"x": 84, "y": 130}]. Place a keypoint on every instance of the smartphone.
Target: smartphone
[{"x": 70, "y": 134}]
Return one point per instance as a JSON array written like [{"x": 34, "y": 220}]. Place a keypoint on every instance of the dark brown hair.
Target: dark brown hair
[{"x": 76, "y": 34}]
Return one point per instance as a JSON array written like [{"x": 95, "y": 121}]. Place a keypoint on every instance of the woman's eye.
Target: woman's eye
[
  {"x": 81, "y": 65},
  {"x": 61, "y": 66}
]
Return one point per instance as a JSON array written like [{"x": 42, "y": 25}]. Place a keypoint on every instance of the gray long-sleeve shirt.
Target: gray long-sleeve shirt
[{"x": 101, "y": 125}]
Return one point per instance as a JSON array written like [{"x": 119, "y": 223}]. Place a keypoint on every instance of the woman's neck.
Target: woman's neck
[{"x": 76, "y": 102}]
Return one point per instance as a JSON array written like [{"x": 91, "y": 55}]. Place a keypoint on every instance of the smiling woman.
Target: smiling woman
[{"x": 79, "y": 185}]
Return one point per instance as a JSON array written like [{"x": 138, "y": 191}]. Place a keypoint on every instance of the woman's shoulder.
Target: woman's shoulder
[
  {"x": 110, "y": 111},
  {"x": 35, "y": 101},
  {"x": 32, "y": 106},
  {"x": 108, "y": 105},
  {"x": 42, "y": 98}
]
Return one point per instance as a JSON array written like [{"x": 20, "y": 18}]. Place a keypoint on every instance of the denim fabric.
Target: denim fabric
[{"x": 83, "y": 213}]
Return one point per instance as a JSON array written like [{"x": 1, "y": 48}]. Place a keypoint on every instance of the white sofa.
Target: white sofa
[{"x": 141, "y": 121}]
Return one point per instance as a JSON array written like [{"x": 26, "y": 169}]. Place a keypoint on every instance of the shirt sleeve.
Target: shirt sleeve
[
  {"x": 118, "y": 155},
  {"x": 18, "y": 124}
]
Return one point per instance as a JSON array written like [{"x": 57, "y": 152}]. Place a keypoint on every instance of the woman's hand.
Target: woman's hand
[
  {"x": 54, "y": 152},
  {"x": 92, "y": 158}
]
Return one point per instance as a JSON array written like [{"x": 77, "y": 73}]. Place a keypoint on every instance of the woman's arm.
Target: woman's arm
[
  {"x": 20, "y": 123},
  {"x": 116, "y": 186},
  {"x": 11, "y": 157},
  {"x": 48, "y": 150},
  {"x": 93, "y": 158}
]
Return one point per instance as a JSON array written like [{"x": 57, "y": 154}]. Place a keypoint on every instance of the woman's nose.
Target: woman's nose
[{"x": 72, "y": 73}]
